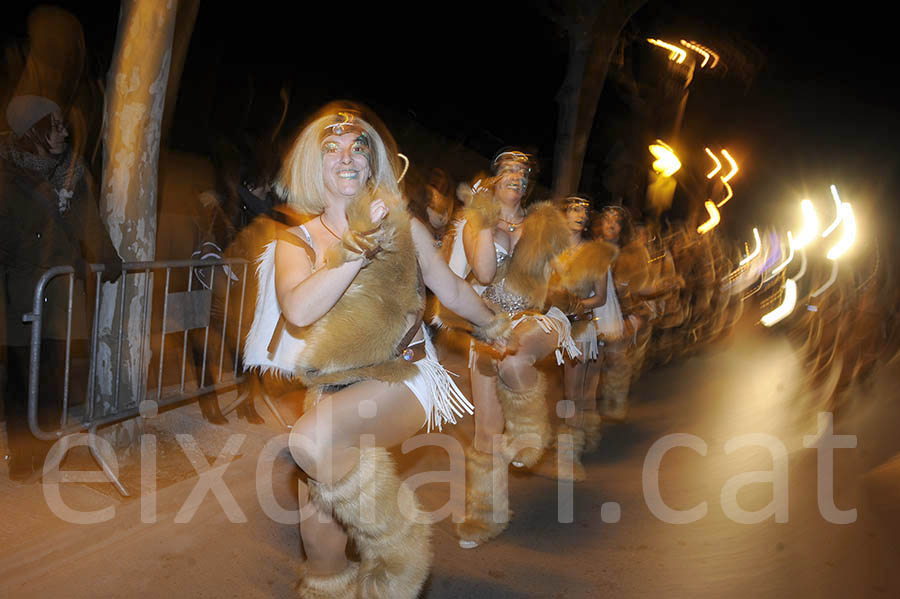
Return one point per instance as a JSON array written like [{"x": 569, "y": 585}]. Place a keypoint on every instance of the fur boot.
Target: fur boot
[
  {"x": 591, "y": 424},
  {"x": 564, "y": 462},
  {"x": 483, "y": 483},
  {"x": 385, "y": 522},
  {"x": 569, "y": 448},
  {"x": 525, "y": 412},
  {"x": 343, "y": 585}
]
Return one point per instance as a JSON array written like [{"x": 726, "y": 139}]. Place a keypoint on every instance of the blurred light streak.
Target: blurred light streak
[
  {"x": 786, "y": 306},
  {"x": 711, "y": 173},
  {"x": 727, "y": 197},
  {"x": 755, "y": 252},
  {"x": 786, "y": 261},
  {"x": 837, "y": 213},
  {"x": 775, "y": 248},
  {"x": 810, "y": 224},
  {"x": 829, "y": 282},
  {"x": 666, "y": 163},
  {"x": 849, "y": 233},
  {"x": 695, "y": 46},
  {"x": 714, "y": 218},
  {"x": 802, "y": 270},
  {"x": 734, "y": 166},
  {"x": 699, "y": 50},
  {"x": 405, "y": 165},
  {"x": 675, "y": 53}
]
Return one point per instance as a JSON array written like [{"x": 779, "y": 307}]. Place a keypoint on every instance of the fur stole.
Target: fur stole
[
  {"x": 578, "y": 271},
  {"x": 585, "y": 265},
  {"x": 357, "y": 339},
  {"x": 632, "y": 267},
  {"x": 544, "y": 236}
]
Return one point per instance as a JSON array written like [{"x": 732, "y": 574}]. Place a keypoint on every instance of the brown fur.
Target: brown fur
[
  {"x": 544, "y": 236},
  {"x": 632, "y": 266},
  {"x": 385, "y": 522},
  {"x": 591, "y": 427},
  {"x": 481, "y": 211},
  {"x": 357, "y": 339},
  {"x": 343, "y": 585},
  {"x": 481, "y": 523},
  {"x": 525, "y": 413},
  {"x": 587, "y": 264}
]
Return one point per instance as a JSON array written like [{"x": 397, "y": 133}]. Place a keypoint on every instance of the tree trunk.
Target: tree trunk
[
  {"x": 589, "y": 52},
  {"x": 184, "y": 28},
  {"x": 135, "y": 97}
]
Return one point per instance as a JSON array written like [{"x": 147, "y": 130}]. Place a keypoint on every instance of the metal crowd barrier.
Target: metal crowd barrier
[{"x": 183, "y": 311}]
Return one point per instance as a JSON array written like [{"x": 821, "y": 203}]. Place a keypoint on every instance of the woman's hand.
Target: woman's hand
[{"x": 378, "y": 211}]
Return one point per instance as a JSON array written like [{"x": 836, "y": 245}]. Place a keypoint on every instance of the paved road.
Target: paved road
[{"x": 752, "y": 385}]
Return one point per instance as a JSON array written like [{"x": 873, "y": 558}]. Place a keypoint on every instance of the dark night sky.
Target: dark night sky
[{"x": 818, "y": 111}]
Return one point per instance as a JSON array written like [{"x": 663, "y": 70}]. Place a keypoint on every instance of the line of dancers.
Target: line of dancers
[{"x": 340, "y": 308}]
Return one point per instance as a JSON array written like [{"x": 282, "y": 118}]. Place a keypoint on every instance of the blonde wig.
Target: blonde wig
[{"x": 301, "y": 181}]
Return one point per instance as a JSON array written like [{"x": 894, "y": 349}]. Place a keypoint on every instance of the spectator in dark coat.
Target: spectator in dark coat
[{"x": 48, "y": 217}]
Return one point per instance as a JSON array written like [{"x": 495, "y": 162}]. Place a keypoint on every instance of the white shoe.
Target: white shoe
[
  {"x": 518, "y": 464},
  {"x": 464, "y": 544}
]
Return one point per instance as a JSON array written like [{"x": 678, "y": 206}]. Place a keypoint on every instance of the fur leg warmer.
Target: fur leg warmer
[
  {"x": 525, "y": 413},
  {"x": 385, "y": 521},
  {"x": 342, "y": 585},
  {"x": 564, "y": 462},
  {"x": 591, "y": 425},
  {"x": 569, "y": 448},
  {"x": 486, "y": 517}
]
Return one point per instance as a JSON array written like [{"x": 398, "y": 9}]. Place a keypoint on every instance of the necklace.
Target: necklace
[
  {"x": 512, "y": 226},
  {"x": 333, "y": 234}
]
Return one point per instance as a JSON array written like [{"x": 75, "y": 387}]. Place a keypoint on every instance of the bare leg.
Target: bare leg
[{"x": 517, "y": 370}]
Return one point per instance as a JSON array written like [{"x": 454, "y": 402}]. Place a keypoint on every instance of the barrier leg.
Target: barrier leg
[
  {"x": 95, "y": 453},
  {"x": 271, "y": 405},
  {"x": 233, "y": 405}
]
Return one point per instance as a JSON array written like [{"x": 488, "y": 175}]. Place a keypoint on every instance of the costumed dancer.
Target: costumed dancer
[
  {"x": 616, "y": 321},
  {"x": 509, "y": 254},
  {"x": 340, "y": 307},
  {"x": 579, "y": 287}
]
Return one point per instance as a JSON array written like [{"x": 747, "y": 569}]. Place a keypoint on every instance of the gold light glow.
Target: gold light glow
[
  {"x": 699, "y": 50},
  {"x": 810, "y": 225},
  {"x": 666, "y": 163},
  {"x": 675, "y": 53},
  {"x": 727, "y": 197},
  {"x": 734, "y": 166},
  {"x": 712, "y": 173},
  {"x": 755, "y": 252},
  {"x": 786, "y": 306},
  {"x": 849, "y": 235},
  {"x": 802, "y": 270},
  {"x": 714, "y": 219},
  {"x": 703, "y": 51},
  {"x": 837, "y": 213}
]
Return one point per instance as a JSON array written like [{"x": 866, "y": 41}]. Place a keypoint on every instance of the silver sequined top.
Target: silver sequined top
[{"x": 496, "y": 293}]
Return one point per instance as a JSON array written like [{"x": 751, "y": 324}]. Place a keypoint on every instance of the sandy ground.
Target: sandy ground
[{"x": 752, "y": 384}]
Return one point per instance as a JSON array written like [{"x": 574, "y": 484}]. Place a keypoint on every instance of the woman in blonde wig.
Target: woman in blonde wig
[{"x": 340, "y": 307}]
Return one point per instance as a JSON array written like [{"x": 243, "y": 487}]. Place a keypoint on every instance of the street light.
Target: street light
[
  {"x": 713, "y": 220},
  {"x": 810, "y": 224},
  {"x": 675, "y": 53},
  {"x": 666, "y": 163}
]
